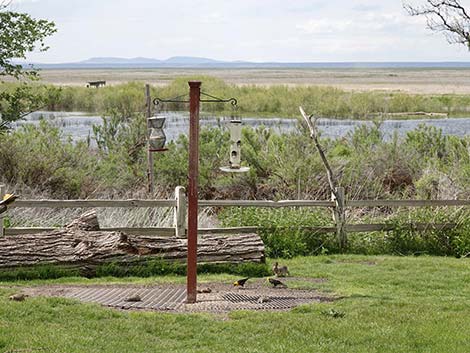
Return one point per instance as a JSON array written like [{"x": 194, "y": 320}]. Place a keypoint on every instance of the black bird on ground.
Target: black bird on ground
[
  {"x": 240, "y": 282},
  {"x": 276, "y": 282}
]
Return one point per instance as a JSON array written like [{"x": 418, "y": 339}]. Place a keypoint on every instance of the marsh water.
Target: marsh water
[{"x": 79, "y": 125}]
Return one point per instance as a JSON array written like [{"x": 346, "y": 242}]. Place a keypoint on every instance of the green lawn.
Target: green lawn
[{"x": 391, "y": 304}]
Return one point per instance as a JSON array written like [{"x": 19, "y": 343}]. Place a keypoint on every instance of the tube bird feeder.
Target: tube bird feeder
[{"x": 234, "y": 166}]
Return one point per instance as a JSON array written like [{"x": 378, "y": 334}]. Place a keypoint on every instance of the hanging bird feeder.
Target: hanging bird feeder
[
  {"x": 234, "y": 166},
  {"x": 157, "y": 138}
]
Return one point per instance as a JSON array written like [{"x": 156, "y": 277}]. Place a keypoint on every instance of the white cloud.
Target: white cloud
[
  {"x": 22, "y": 1},
  {"x": 266, "y": 30},
  {"x": 369, "y": 22}
]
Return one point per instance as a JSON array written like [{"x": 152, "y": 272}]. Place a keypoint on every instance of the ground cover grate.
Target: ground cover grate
[
  {"x": 265, "y": 301},
  {"x": 220, "y": 298}
]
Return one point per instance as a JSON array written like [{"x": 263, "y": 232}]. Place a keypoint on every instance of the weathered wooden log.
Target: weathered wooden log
[
  {"x": 87, "y": 221},
  {"x": 81, "y": 245}
]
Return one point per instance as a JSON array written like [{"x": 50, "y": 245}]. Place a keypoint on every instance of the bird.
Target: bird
[
  {"x": 19, "y": 297},
  {"x": 134, "y": 298},
  {"x": 280, "y": 271},
  {"x": 240, "y": 282},
  {"x": 276, "y": 282},
  {"x": 7, "y": 199}
]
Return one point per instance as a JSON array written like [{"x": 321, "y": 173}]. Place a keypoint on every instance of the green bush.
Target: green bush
[
  {"x": 147, "y": 268},
  {"x": 282, "y": 230},
  {"x": 406, "y": 239},
  {"x": 37, "y": 272},
  {"x": 42, "y": 158},
  {"x": 284, "y": 234},
  {"x": 285, "y": 166},
  {"x": 159, "y": 267}
]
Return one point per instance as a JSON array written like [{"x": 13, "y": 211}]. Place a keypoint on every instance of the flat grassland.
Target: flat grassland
[
  {"x": 413, "y": 80},
  {"x": 388, "y": 304}
]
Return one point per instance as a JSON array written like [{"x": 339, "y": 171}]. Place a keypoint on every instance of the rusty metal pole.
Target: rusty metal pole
[
  {"x": 194, "y": 98},
  {"x": 148, "y": 114}
]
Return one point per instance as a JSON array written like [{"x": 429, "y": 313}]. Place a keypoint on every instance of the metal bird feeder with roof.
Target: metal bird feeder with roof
[{"x": 157, "y": 137}]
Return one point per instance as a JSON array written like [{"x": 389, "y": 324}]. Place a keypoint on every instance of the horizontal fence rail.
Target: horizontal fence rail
[
  {"x": 233, "y": 203},
  {"x": 170, "y": 231},
  {"x": 261, "y": 203},
  {"x": 161, "y": 231},
  {"x": 92, "y": 203},
  {"x": 180, "y": 214},
  {"x": 407, "y": 203}
]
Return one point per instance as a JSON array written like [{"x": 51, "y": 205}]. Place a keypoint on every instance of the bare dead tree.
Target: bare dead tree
[
  {"x": 4, "y": 4},
  {"x": 446, "y": 16},
  {"x": 337, "y": 192},
  {"x": 312, "y": 127}
]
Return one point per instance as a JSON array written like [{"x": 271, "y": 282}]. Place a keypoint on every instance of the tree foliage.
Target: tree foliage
[
  {"x": 447, "y": 16},
  {"x": 20, "y": 34}
]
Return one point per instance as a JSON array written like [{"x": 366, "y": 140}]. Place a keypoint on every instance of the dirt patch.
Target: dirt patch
[{"x": 222, "y": 298}]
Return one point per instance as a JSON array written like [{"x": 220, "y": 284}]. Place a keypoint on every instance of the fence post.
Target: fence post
[
  {"x": 148, "y": 114},
  {"x": 2, "y": 193},
  {"x": 339, "y": 215},
  {"x": 180, "y": 212}
]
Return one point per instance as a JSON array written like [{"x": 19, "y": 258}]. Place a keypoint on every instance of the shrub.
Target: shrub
[
  {"x": 37, "y": 272},
  {"x": 407, "y": 239},
  {"x": 42, "y": 158},
  {"x": 282, "y": 230},
  {"x": 160, "y": 267}
]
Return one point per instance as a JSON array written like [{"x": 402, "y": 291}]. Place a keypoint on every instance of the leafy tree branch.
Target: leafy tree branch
[{"x": 20, "y": 34}]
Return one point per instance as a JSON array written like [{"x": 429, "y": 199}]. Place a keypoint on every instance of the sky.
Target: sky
[{"x": 250, "y": 30}]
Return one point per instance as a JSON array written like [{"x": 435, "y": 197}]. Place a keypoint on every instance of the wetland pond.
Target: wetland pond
[{"x": 79, "y": 125}]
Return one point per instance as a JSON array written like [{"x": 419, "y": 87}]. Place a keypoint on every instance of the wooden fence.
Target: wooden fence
[{"x": 179, "y": 204}]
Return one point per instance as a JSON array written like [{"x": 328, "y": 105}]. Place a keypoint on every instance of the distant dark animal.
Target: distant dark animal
[
  {"x": 280, "y": 271},
  {"x": 240, "y": 282},
  {"x": 96, "y": 84},
  {"x": 276, "y": 282}
]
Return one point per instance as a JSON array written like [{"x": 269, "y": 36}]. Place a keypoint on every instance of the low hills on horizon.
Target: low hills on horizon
[{"x": 199, "y": 62}]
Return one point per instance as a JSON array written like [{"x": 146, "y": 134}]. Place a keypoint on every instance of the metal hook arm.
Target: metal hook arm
[{"x": 233, "y": 101}]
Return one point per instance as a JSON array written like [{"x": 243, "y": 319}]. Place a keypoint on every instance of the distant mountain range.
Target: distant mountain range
[
  {"x": 176, "y": 60},
  {"x": 197, "y": 62}
]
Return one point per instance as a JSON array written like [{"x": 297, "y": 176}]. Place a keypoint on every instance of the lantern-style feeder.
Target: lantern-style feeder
[
  {"x": 235, "y": 128},
  {"x": 157, "y": 136}
]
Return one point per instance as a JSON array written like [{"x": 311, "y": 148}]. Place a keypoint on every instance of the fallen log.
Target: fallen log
[
  {"x": 82, "y": 245},
  {"x": 431, "y": 114}
]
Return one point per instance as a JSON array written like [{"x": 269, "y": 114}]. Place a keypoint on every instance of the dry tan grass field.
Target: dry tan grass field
[{"x": 426, "y": 81}]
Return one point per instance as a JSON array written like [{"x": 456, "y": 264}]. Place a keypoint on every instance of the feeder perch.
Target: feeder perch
[
  {"x": 157, "y": 136},
  {"x": 234, "y": 166}
]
